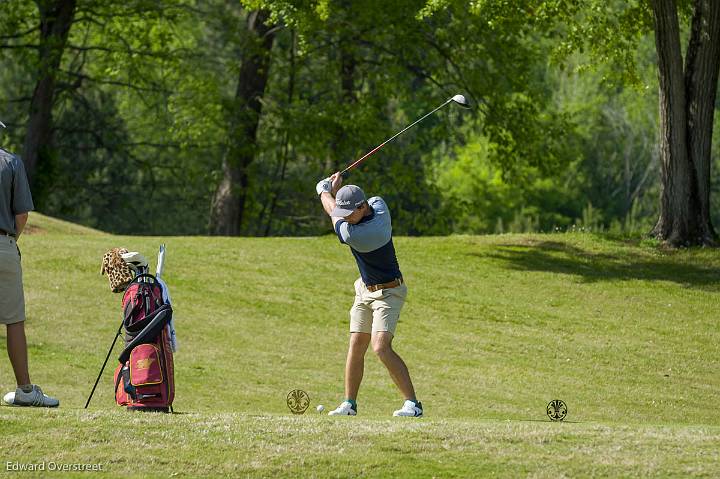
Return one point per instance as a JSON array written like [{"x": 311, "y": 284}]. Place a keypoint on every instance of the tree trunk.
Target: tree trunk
[
  {"x": 702, "y": 65},
  {"x": 229, "y": 201},
  {"x": 56, "y": 18},
  {"x": 686, "y": 125},
  {"x": 283, "y": 161},
  {"x": 348, "y": 62}
]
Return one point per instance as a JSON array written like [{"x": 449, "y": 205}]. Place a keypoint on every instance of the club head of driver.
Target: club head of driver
[
  {"x": 2, "y": 125},
  {"x": 460, "y": 100}
]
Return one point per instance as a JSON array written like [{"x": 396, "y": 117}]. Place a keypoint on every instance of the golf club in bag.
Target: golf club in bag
[
  {"x": 144, "y": 379},
  {"x": 457, "y": 99}
]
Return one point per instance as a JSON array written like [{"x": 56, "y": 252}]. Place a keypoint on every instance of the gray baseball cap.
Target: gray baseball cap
[{"x": 347, "y": 200}]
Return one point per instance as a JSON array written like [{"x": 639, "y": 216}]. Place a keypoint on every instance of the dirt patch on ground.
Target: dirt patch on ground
[{"x": 34, "y": 230}]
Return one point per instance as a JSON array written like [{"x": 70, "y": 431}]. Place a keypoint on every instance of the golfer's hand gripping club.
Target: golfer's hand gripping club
[
  {"x": 323, "y": 186},
  {"x": 331, "y": 184},
  {"x": 337, "y": 180}
]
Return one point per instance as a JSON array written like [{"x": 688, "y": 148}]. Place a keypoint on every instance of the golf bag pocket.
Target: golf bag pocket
[
  {"x": 121, "y": 395},
  {"x": 141, "y": 385},
  {"x": 145, "y": 367},
  {"x": 146, "y": 380}
]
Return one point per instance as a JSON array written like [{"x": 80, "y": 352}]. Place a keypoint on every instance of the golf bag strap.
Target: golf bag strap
[
  {"x": 127, "y": 311},
  {"x": 149, "y": 333},
  {"x": 137, "y": 328}
]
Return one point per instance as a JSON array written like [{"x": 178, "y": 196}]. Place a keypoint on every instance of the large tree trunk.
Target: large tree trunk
[
  {"x": 701, "y": 78},
  {"x": 56, "y": 17},
  {"x": 281, "y": 168},
  {"x": 686, "y": 115},
  {"x": 226, "y": 214}
]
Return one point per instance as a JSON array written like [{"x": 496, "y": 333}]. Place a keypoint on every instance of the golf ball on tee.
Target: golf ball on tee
[{"x": 320, "y": 408}]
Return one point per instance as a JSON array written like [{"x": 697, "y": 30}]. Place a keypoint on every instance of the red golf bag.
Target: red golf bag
[{"x": 144, "y": 379}]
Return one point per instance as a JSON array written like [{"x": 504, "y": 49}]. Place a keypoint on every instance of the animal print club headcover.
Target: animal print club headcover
[{"x": 117, "y": 270}]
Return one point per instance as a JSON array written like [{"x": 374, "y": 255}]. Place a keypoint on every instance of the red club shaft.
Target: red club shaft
[{"x": 356, "y": 163}]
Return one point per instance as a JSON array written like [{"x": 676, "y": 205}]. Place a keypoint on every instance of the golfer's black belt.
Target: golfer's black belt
[
  {"x": 392, "y": 284},
  {"x": 5, "y": 233}
]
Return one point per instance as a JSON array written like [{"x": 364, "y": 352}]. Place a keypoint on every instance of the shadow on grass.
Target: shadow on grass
[{"x": 562, "y": 258}]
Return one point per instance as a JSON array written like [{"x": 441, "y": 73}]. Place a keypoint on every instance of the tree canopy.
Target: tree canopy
[{"x": 219, "y": 117}]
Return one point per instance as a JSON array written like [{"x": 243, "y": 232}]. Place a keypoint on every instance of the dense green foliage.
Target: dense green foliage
[{"x": 142, "y": 114}]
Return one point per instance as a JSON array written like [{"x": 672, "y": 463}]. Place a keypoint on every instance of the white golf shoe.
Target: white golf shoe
[
  {"x": 410, "y": 409},
  {"x": 35, "y": 398},
  {"x": 344, "y": 409}
]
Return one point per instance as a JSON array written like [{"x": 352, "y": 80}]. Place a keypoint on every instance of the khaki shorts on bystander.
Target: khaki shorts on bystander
[{"x": 12, "y": 299}]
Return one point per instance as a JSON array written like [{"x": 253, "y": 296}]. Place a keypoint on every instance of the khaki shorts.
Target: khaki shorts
[
  {"x": 377, "y": 311},
  {"x": 12, "y": 300}
]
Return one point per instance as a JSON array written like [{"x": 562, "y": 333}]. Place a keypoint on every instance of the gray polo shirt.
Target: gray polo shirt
[
  {"x": 371, "y": 243},
  {"x": 15, "y": 198}
]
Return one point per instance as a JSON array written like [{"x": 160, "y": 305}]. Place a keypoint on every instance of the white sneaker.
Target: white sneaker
[
  {"x": 34, "y": 398},
  {"x": 410, "y": 409},
  {"x": 344, "y": 409}
]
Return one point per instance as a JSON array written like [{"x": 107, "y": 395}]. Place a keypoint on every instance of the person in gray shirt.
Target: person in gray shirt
[{"x": 15, "y": 203}]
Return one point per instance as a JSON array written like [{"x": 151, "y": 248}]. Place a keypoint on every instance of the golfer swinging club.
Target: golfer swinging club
[{"x": 365, "y": 226}]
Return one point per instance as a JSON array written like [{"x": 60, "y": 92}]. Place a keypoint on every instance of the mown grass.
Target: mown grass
[
  {"x": 494, "y": 328},
  {"x": 243, "y": 445}
]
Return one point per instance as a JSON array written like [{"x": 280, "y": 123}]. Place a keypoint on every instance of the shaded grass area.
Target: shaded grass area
[
  {"x": 591, "y": 266},
  {"x": 493, "y": 329}
]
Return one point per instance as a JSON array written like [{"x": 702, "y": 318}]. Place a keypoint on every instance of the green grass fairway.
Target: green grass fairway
[{"x": 494, "y": 328}]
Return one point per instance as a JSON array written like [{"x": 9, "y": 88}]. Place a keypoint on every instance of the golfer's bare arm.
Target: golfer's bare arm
[
  {"x": 328, "y": 199},
  {"x": 20, "y": 222},
  {"x": 328, "y": 202}
]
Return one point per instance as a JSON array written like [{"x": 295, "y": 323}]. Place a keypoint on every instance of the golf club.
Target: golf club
[
  {"x": 3, "y": 124},
  {"x": 459, "y": 99},
  {"x": 160, "y": 261}
]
